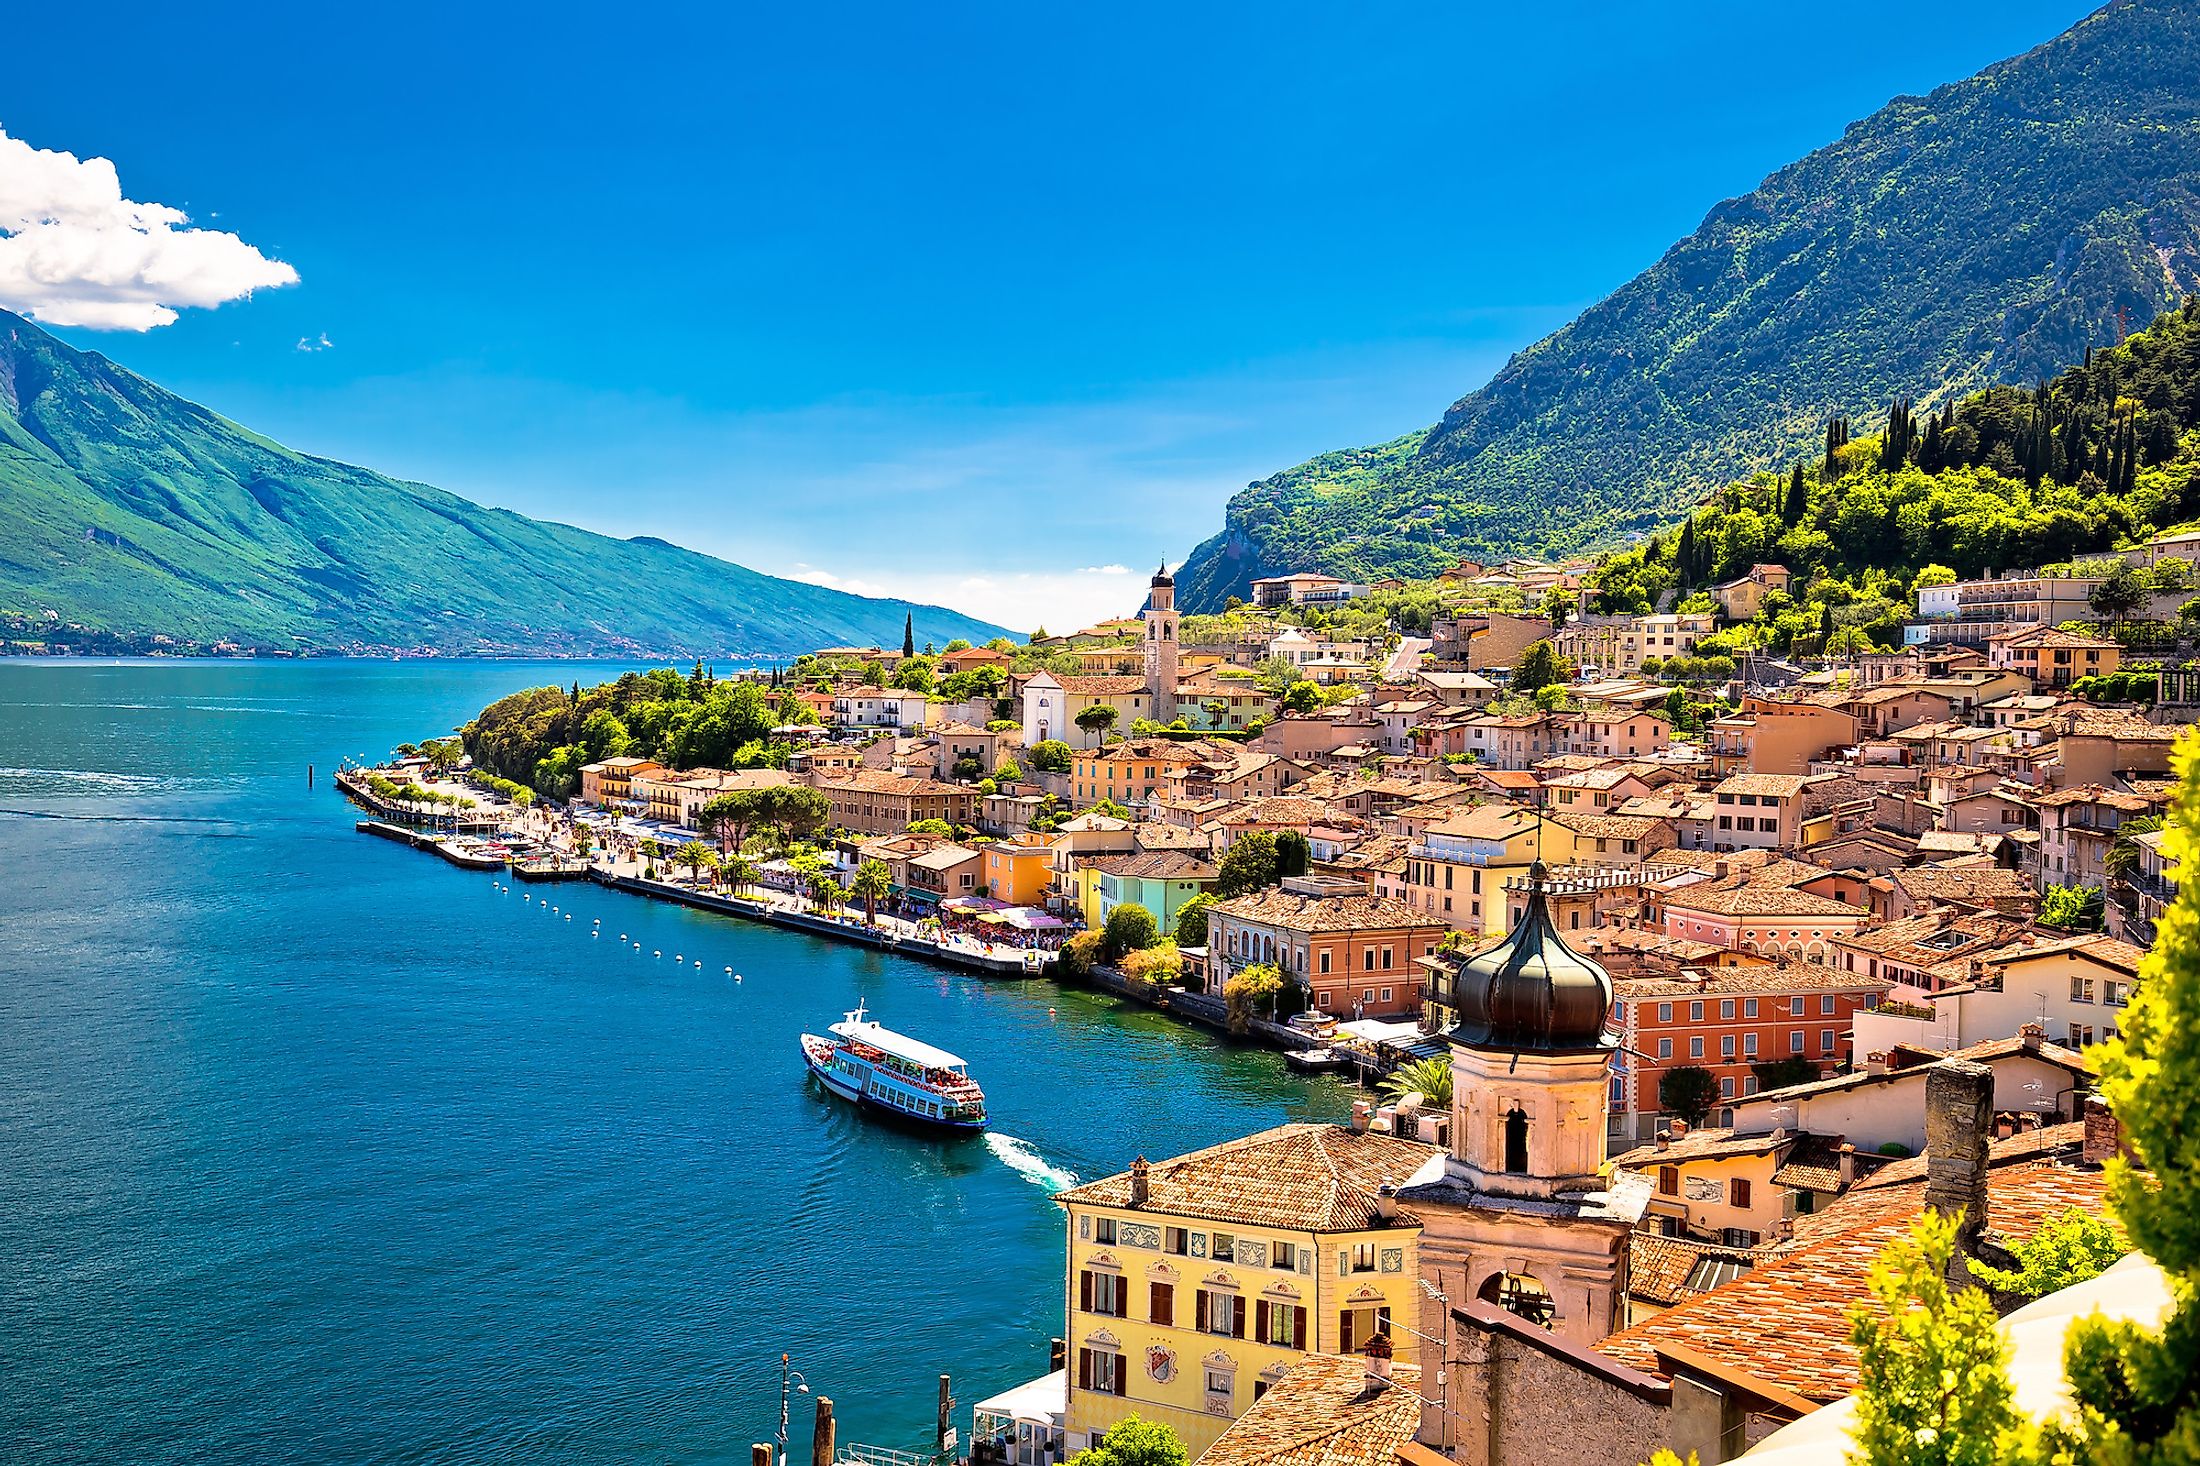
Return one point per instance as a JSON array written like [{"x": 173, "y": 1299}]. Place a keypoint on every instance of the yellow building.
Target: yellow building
[
  {"x": 1196, "y": 1283},
  {"x": 1457, "y": 871}
]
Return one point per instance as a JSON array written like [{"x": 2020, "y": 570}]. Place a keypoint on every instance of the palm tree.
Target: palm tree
[
  {"x": 737, "y": 871},
  {"x": 1430, "y": 1078},
  {"x": 873, "y": 882}
]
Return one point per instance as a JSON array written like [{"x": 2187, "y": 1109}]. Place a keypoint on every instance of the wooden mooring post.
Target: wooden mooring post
[{"x": 821, "y": 1439}]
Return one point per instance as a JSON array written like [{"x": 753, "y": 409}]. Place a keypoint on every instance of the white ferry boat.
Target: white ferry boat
[{"x": 879, "y": 1069}]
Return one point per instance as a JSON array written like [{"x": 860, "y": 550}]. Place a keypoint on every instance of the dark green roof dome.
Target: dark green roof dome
[{"x": 1531, "y": 991}]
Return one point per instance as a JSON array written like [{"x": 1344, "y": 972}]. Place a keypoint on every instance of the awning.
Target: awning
[
  {"x": 1043, "y": 1401},
  {"x": 1029, "y": 919}
]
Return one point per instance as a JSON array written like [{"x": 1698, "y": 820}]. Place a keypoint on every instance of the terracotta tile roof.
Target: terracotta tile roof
[
  {"x": 1982, "y": 1053},
  {"x": 1763, "y": 901},
  {"x": 878, "y": 781},
  {"x": 1699, "y": 1145},
  {"x": 1666, "y": 1270},
  {"x": 1325, "y": 1412},
  {"x": 1147, "y": 750},
  {"x": 1279, "y": 809},
  {"x": 1966, "y": 885},
  {"x": 1780, "y": 786},
  {"x": 1154, "y": 865},
  {"x": 2065, "y": 1141},
  {"x": 1101, "y": 686},
  {"x": 1309, "y": 1178},
  {"x": 1154, "y": 835},
  {"x": 1813, "y": 1165},
  {"x": 1292, "y": 912},
  {"x": 1610, "y": 826},
  {"x": 1760, "y": 1322},
  {"x": 1780, "y": 975}
]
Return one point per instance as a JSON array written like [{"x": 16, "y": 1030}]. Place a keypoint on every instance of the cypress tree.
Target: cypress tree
[
  {"x": 1798, "y": 497},
  {"x": 909, "y": 635},
  {"x": 1684, "y": 561}
]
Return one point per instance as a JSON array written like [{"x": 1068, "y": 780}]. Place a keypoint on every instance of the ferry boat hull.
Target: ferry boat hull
[{"x": 848, "y": 1078}]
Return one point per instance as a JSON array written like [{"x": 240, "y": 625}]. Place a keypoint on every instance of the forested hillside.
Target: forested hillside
[
  {"x": 1990, "y": 232},
  {"x": 2103, "y": 455}
]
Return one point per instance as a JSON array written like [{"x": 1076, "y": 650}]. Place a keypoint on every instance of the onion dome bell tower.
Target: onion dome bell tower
[{"x": 1530, "y": 1056}]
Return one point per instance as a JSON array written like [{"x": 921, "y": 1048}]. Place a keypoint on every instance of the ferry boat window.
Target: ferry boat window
[
  {"x": 1225, "y": 1248},
  {"x": 1103, "y": 1230}
]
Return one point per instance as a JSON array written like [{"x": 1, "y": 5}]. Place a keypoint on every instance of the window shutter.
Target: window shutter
[
  {"x": 1084, "y": 1291},
  {"x": 1344, "y": 1331},
  {"x": 1163, "y": 1309},
  {"x": 1382, "y": 1319},
  {"x": 1237, "y": 1318},
  {"x": 1199, "y": 1310},
  {"x": 1260, "y": 1320},
  {"x": 1122, "y": 1376},
  {"x": 1298, "y": 1328},
  {"x": 1122, "y": 1297},
  {"x": 1084, "y": 1369}
]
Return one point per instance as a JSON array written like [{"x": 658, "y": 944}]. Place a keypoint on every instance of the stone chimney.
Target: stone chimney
[
  {"x": 1959, "y": 1112},
  {"x": 2033, "y": 1035},
  {"x": 2104, "y": 1135},
  {"x": 1378, "y": 1353},
  {"x": 1386, "y": 1201},
  {"x": 1848, "y": 1164},
  {"x": 1677, "y": 1129},
  {"x": 1140, "y": 1190}
]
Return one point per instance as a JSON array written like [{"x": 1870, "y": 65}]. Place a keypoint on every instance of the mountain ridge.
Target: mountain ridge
[
  {"x": 1988, "y": 231},
  {"x": 127, "y": 508}
]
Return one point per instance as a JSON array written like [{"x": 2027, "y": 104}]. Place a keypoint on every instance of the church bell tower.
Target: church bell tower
[
  {"x": 1161, "y": 645},
  {"x": 1521, "y": 1217}
]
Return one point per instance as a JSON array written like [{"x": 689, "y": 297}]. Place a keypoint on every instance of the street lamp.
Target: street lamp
[{"x": 791, "y": 1383}]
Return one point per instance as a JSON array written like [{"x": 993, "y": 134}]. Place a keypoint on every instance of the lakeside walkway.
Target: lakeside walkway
[{"x": 551, "y": 831}]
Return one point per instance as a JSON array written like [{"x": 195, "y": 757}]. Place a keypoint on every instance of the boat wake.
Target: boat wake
[{"x": 1028, "y": 1163}]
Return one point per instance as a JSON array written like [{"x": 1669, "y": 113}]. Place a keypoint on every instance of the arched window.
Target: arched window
[
  {"x": 1517, "y": 1293},
  {"x": 1516, "y": 1142}
]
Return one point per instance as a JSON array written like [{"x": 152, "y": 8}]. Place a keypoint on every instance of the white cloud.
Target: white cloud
[
  {"x": 75, "y": 252},
  {"x": 315, "y": 343},
  {"x": 1061, "y": 600},
  {"x": 1105, "y": 570}
]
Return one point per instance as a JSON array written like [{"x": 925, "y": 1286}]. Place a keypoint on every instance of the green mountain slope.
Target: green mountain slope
[
  {"x": 126, "y": 508},
  {"x": 1989, "y": 232}
]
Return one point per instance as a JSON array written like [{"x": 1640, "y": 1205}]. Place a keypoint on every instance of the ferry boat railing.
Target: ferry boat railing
[{"x": 856, "y": 1455}]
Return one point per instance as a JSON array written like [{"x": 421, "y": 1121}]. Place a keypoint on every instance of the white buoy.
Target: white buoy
[
  {"x": 729, "y": 972},
  {"x": 737, "y": 977},
  {"x": 698, "y": 962},
  {"x": 658, "y": 953}
]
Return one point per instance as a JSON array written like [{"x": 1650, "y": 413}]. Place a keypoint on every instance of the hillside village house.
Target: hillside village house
[
  {"x": 2074, "y": 990},
  {"x": 880, "y": 707},
  {"x": 1346, "y": 951},
  {"x": 1019, "y": 871},
  {"x": 612, "y": 780},
  {"x": 1617, "y": 644},
  {"x": 1455, "y": 874},
  {"x": 1766, "y": 736},
  {"x": 1741, "y": 598},
  {"x": 1196, "y": 1283},
  {"x": 678, "y": 798},
  {"x": 1161, "y": 881},
  {"x": 1130, "y": 771},
  {"x": 2052, "y": 657},
  {"x": 1760, "y": 811},
  {"x": 1726, "y": 1020},
  {"x": 876, "y": 802}
]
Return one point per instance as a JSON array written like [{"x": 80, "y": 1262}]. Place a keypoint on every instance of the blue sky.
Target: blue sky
[{"x": 983, "y": 304}]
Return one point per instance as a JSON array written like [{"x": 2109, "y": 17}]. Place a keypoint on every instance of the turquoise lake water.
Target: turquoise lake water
[{"x": 315, "y": 1148}]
